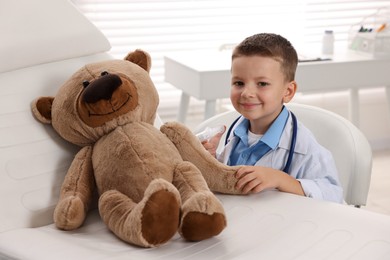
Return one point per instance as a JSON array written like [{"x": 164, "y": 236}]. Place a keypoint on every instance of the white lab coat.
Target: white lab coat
[{"x": 312, "y": 164}]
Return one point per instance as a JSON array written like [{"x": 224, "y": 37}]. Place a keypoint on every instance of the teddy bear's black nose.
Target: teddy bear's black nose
[{"x": 101, "y": 88}]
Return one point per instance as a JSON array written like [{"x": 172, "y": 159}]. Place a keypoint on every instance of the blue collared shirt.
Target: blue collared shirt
[{"x": 244, "y": 154}]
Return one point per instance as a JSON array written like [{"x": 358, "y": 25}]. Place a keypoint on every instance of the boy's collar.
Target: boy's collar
[{"x": 272, "y": 135}]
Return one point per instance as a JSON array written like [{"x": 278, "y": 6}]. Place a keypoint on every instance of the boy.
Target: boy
[{"x": 262, "y": 77}]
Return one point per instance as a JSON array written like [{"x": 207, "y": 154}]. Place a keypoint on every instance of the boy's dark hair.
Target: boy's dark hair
[{"x": 273, "y": 46}]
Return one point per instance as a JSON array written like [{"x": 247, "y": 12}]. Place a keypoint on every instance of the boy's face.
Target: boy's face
[{"x": 258, "y": 90}]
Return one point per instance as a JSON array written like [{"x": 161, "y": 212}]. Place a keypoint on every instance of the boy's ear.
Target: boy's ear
[
  {"x": 290, "y": 91},
  {"x": 41, "y": 108}
]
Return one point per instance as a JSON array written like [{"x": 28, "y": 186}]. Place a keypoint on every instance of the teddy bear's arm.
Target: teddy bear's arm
[
  {"x": 76, "y": 192},
  {"x": 219, "y": 177}
]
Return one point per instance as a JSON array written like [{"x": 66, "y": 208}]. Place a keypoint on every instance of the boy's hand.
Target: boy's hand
[
  {"x": 211, "y": 145},
  {"x": 254, "y": 179}
]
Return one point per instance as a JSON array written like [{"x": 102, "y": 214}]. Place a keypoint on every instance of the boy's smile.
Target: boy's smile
[{"x": 249, "y": 106}]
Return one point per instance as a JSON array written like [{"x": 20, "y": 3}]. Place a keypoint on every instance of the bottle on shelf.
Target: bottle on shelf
[{"x": 328, "y": 43}]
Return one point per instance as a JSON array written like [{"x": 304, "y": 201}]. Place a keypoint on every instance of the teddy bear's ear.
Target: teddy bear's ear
[
  {"x": 141, "y": 58},
  {"x": 41, "y": 108}
]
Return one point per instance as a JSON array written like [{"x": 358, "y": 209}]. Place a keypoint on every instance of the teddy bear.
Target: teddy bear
[{"x": 150, "y": 183}]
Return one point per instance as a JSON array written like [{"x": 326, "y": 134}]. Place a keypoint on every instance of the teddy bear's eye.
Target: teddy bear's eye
[
  {"x": 104, "y": 73},
  {"x": 85, "y": 83}
]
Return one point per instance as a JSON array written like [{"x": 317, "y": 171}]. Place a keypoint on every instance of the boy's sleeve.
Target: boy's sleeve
[
  {"x": 322, "y": 189},
  {"x": 320, "y": 178}
]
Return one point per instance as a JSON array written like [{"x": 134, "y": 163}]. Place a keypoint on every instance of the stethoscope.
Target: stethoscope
[{"x": 286, "y": 168}]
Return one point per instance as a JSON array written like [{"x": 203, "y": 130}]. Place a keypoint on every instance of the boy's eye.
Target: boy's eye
[
  {"x": 238, "y": 83},
  {"x": 263, "y": 84}
]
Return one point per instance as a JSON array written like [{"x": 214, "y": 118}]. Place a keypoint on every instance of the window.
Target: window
[{"x": 162, "y": 26}]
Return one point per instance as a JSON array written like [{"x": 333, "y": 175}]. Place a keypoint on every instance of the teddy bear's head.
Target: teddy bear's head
[{"x": 99, "y": 97}]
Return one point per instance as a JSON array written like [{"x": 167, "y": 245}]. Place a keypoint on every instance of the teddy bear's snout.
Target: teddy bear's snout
[
  {"x": 101, "y": 88},
  {"x": 106, "y": 98}
]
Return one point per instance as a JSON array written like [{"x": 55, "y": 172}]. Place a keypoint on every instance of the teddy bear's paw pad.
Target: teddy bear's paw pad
[
  {"x": 160, "y": 217},
  {"x": 198, "y": 226},
  {"x": 69, "y": 213}
]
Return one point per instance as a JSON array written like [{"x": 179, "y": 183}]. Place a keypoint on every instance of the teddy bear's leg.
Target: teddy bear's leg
[
  {"x": 76, "y": 192},
  {"x": 149, "y": 223},
  {"x": 202, "y": 213}
]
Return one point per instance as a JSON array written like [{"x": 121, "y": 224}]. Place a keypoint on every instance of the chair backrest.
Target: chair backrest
[
  {"x": 45, "y": 31},
  {"x": 350, "y": 148},
  {"x": 33, "y": 159}
]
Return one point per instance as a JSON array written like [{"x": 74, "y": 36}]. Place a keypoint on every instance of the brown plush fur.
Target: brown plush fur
[{"x": 151, "y": 183}]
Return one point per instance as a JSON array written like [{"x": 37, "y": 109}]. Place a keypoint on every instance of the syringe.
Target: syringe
[{"x": 210, "y": 132}]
